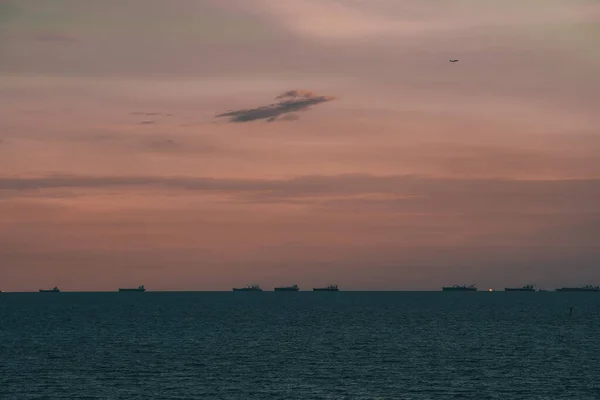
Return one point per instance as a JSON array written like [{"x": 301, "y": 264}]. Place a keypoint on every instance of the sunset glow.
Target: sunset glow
[{"x": 201, "y": 145}]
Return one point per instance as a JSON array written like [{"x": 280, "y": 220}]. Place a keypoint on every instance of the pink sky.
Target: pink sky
[{"x": 114, "y": 170}]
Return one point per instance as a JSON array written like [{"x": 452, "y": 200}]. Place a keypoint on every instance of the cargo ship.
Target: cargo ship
[
  {"x": 459, "y": 288},
  {"x": 328, "y": 288},
  {"x": 53, "y": 290},
  {"x": 137, "y": 289},
  {"x": 586, "y": 288},
  {"x": 526, "y": 288},
  {"x": 249, "y": 288},
  {"x": 294, "y": 288}
]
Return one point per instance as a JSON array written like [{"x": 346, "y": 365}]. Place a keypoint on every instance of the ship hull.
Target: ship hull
[
  {"x": 49, "y": 291},
  {"x": 518, "y": 290},
  {"x": 132, "y": 290},
  {"x": 246, "y": 290},
  {"x": 577, "y": 290},
  {"x": 286, "y": 289},
  {"x": 451, "y": 289},
  {"x": 325, "y": 290}
]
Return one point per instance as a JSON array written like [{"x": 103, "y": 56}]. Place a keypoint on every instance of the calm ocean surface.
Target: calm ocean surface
[{"x": 346, "y": 345}]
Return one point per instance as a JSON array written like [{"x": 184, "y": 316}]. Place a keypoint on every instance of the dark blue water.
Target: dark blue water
[{"x": 300, "y": 345}]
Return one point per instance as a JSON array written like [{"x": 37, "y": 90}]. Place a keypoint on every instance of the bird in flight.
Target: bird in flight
[{"x": 451, "y": 60}]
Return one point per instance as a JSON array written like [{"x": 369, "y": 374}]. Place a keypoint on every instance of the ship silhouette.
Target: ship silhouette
[
  {"x": 53, "y": 290},
  {"x": 586, "y": 288},
  {"x": 459, "y": 288},
  {"x": 140, "y": 288},
  {"x": 526, "y": 288},
  {"x": 293, "y": 288},
  {"x": 328, "y": 288},
  {"x": 249, "y": 288}
]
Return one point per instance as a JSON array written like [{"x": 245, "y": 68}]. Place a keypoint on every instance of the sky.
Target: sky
[{"x": 207, "y": 144}]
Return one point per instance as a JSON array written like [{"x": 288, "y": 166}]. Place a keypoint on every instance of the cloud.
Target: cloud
[
  {"x": 288, "y": 102},
  {"x": 357, "y": 20},
  {"x": 396, "y": 193},
  {"x": 534, "y": 160}
]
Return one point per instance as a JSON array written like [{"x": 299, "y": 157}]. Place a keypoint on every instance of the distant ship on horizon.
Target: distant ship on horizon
[
  {"x": 586, "y": 288},
  {"x": 328, "y": 288},
  {"x": 526, "y": 288},
  {"x": 293, "y": 288},
  {"x": 53, "y": 290},
  {"x": 459, "y": 288},
  {"x": 249, "y": 288},
  {"x": 140, "y": 288}
]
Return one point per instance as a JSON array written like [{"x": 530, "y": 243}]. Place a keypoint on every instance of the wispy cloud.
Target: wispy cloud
[
  {"x": 415, "y": 193},
  {"x": 288, "y": 102},
  {"x": 336, "y": 20}
]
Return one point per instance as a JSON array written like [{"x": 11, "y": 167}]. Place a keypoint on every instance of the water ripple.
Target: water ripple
[{"x": 299, "y": 346}]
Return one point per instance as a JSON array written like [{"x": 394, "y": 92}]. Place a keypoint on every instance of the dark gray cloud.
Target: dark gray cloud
[{"x": 287, "y": 102}]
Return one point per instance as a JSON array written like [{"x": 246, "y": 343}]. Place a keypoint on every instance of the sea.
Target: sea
[{"x": 305, "y": 345}]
